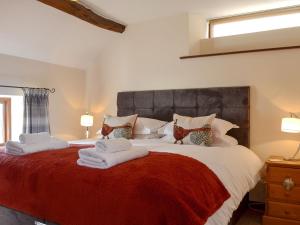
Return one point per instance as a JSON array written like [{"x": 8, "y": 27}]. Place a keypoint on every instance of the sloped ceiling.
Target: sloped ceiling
[
  {"x": 36, "y": 31},
  {"x": 135, "y": 11}
]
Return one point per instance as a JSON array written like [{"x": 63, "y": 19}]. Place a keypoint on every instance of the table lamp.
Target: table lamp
[
  {"x": 291, "y": 125},
  {"x": 87, "y": 121}
]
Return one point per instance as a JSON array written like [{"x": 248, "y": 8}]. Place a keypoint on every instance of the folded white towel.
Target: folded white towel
[
  {"x": 92, "y": 158},
  {"x": 17, "y": 148},
  {"x": 34, "y": 138},
  {"x": 114, "y": 145}
]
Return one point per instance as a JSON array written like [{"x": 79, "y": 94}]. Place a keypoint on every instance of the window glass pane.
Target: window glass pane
[
  {"x": 256, "y": 25},
  {"x": 16, "y": 115},
  {"x": 2, "y": 124}
]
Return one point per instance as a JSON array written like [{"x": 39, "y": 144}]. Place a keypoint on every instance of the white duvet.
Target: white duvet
[{"x": 237, "y": 167}]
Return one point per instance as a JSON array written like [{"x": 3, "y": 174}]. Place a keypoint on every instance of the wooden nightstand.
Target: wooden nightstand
[{"x": 283, "y": 193}]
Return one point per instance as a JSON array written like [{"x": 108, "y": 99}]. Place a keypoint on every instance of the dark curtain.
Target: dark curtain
[{"x": 36, "y": 110}]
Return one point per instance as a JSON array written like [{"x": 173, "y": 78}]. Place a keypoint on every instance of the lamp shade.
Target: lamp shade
[
  {"x": 86, "y": 120},
  {"x": 290, "y": 125}
]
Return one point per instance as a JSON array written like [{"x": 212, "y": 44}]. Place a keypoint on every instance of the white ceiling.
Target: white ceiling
[
  {"x": 135, "y": 11},
  {"x": 33, "y": 30}
]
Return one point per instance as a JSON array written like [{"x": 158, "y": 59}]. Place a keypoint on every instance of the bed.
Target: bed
[{"x": 231, "y": 103}]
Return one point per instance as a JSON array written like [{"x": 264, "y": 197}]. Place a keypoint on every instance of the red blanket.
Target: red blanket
[{"x": 160, "y": 189}]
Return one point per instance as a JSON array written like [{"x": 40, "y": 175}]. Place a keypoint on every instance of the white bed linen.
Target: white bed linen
[{"x": 237, "y": 167}]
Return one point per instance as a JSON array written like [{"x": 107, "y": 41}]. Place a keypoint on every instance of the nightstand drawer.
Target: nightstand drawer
[
  {"x": 278, "y": 192},
  {"x": 283, "y": 210},
  {"x": 277, "y": 221},
  {"x": 279, "y": 174}
]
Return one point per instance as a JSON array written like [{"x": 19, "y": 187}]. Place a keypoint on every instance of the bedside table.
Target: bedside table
[{"x": 283, "y": 193}]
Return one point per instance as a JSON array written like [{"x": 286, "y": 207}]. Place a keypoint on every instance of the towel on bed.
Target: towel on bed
[
  {"x": 34, "y": 138},
  {"x": 113, "y": 145},
  {"x": 90, "y": 157},
  {"x": 17, "y": 148}
]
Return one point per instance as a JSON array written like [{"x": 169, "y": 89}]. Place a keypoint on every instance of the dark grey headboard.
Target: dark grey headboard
[{"x": 230, "y": 103}]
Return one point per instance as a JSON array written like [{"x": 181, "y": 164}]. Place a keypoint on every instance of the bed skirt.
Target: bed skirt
[{"x": 12, "y": 217}]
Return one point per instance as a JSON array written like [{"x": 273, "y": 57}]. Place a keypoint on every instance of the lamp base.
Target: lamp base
[
  {"x": 87, "y": 133},
  {"x": 293, "y": 158}
]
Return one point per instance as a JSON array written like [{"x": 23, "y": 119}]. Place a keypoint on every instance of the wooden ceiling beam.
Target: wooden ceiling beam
[{"x": 76, "y": 9}]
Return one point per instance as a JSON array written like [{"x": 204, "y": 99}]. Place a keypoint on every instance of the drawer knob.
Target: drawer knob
[{"x": 288, "y": 184}]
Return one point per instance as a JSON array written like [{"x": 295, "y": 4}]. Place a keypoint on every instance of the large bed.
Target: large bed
[{"x": 237, "y": 167}]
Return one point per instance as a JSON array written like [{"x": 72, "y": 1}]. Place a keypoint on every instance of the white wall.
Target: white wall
[
  {"x": 147, "y": 57},
  {"x": 66, "y": 104}
]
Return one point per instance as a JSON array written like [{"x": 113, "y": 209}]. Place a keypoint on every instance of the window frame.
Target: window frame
[
  {"x": 7, "y": 118},
  {"x": 255, "y": 15}
]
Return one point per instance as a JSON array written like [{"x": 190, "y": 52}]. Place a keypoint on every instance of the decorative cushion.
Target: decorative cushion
[
  {"x": 118, "y": 127},
  {"x": 188, "y": 122},
  {"x": 196, "y": 136},
  {"x": 188, "y": 130}
]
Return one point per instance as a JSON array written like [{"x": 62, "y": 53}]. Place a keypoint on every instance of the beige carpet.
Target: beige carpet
[{"x": 250, "y": 218}]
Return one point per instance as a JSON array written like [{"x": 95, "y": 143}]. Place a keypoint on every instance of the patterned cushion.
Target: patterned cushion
[
  {"x": 124, "y": 131},
  {"x": 202, "y": 136},
  {"x": 196, "y": 136},
  {"x": 118, "y": 127}
]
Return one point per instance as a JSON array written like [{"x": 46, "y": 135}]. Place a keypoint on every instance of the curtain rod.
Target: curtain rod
[{"x": 52, "y": 90}]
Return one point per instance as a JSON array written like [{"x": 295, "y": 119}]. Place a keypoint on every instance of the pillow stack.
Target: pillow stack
[
  {"x": 130, "y": 127},
  {"x": 204, "y": 130},
  {"x": 217, "y": 137}
]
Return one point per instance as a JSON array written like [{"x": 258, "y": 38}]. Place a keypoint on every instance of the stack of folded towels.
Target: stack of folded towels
[
  {"x": 31, "y": 143},
  {"x": 108, "y": 153}
]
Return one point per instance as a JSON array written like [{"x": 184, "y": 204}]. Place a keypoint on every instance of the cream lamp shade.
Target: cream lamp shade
[
  {"x": 86, "y": 120},
  {"x": 290, "y": 125}
]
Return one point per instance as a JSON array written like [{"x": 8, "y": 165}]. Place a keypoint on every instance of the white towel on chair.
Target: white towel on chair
[
  {"x": 114, "y": 145},
  {"x": 17, "y": 148},
  {"x": 34, "y": 138},
  {"x": 90, "y": 157}
]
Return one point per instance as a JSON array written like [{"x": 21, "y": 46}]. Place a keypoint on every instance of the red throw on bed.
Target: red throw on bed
[{"x": 160, "y": 189}]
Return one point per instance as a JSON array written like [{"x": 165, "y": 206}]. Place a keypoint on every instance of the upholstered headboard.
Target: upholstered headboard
[{"x": 230, "y": 103}]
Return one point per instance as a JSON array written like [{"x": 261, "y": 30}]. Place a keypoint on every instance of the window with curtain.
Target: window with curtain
[{"x": 36, "y": 110}]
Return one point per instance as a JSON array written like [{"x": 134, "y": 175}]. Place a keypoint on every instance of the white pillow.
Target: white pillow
[
  {"x": 166, "y": 129},
  {"x": 147, "y": 125},
  {"x": 148, "y": 136},
  {"x": 168, "y": 139},
  {"x": 225, "y": 141},
  {"x": 221, "y": 127}
]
